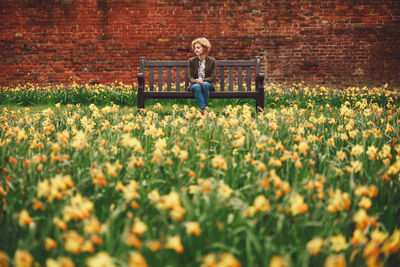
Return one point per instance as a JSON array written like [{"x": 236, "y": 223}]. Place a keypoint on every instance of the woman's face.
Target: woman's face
[{"x": 198, "y": 49}]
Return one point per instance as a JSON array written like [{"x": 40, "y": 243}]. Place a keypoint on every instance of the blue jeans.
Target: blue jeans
[{"x": 202, "y": 93}]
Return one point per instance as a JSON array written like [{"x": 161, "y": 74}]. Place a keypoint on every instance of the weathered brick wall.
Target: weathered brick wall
[{"x": 331, "y": 42}]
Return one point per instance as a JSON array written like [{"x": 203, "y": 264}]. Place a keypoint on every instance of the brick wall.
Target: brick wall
[{"x": 330, "y": 42}]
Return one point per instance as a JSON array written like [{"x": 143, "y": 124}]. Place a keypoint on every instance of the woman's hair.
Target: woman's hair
[{"x": 203, "y": 42}]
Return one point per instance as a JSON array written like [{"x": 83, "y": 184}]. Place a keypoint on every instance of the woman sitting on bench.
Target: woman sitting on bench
[{"x": 202, "y": 72}]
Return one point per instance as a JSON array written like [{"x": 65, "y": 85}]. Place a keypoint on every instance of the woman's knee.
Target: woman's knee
[
  {"x": 195, "y": 87},
  {"x": 207, "y": 85}
]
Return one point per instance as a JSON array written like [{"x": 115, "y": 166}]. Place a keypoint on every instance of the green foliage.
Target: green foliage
[{"x": 232, "y": 185}]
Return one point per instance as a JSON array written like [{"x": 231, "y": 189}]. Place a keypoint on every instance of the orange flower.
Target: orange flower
[
  {"x": 338, "y": 243},
  {"x": 60, "y": 223},
  {"x": 49, "y": 243},
  {"x": 38, "y": 205},
  {"x": 101, "y": 259},
  {"x": 261, "y": 203},
  {"x": 4, "y": 260},
  {"x": 392, "y": 245},
  {"x": 24, "y": 218},
  {"x": 139, "y": 227},
  {"x": 12, "y": 160},
  {"x": 174, "y": 242},
  {"x": 137, "y": 260},
  {"x": 338, "y": 201},
  {"x": 365, "y": 203},
  {"x": 278, "y": 261},
  {"x": 193, "y": 228},
  {"x": 297, "y": 205},
  {"x": 73, "y": 241},
  {"x": 335, "y": 261},
  {"x": 23, "y": 258},
  {"x": 132, "y": 240},
  {"x": 362, "y": 219},
  {"x": 154, "y": 245},
  {"x": 315, "y": 245},
  {"x": 358, "y": 238}
]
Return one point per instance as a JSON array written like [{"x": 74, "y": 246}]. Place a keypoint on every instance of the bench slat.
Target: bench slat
[
  {"x": 169, "y": 79},
  {"x": 187, "y": 94},
  {"x": 222, "y": 78},
  {"x": 240, "y": 85},
  {"x": 159, "y": 79},
  {"x": 230, "y": 78},
  {"x": 151, "y": 85},
  {"x": 248, "y": 79},
  {"x": 180, "y": 63},
  {"x": 178, "y": 78},
  {"x": 231, "y": 63},
  {"x": 186, "y": 78},
  {"x": 183, "y": 63}
]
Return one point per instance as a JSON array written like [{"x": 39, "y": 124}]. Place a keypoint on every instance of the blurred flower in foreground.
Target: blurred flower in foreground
[
  {"x": 297, "y": 205},
  {"x": 60, "y": 262},
  {"x": 174, "y": 242},
  {"x": 219, "y": 162},
  {"x": 101, "y": 259},
  {"x": 338, "y": 243},
  {"x": 193, "y": 228},
  {"x": 222, "y": 260},
  {"x": 22, "y": 258},
  {"x": 315, "y": 245},
  {"x": 4, "y": 260},
  {"x": 24, "y": 218},
  {"x": 137, "y": 260},
  {"x": 335, "y": 261},
  {"x": 278, "y": 261}
]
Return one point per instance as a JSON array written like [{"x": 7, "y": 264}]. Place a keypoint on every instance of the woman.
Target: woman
[{"x": 202, "y": 72}]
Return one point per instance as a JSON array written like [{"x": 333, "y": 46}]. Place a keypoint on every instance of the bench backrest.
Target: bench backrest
[{"x": 239, "y": 72}]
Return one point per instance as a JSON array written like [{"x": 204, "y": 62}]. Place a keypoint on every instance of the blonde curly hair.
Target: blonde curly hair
[{"x": 203, "y": 42}]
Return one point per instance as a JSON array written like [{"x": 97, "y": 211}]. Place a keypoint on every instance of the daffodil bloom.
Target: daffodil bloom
[
  {"x": 23, "y": 258},
  {"x": 137, "y": 260},
  {"x": 261, "y": 203},
  {"x": 193, "y": 228},
  {"x": 314, "y": 246},
  {"x": 4, "y": 260},
  {"x": 154, "y": 245},
  {"x": 49, "y": 243},
  {"x": 174, "y": 242},
  {"x": 335, "y": 261},
  {"x": 297, "y": 205},
  {"x": 358, "y": 238},
  {"x": 365, "y": 203},
  {"x": 24, "y": 218},
  {"x": 338, "y": 243},
  {"x": 73, "y": 242},
  {"x": 101, "y": 259},
  {"x": 278, "y": 261},
  {"x": 139, "y": 227},
  {"x": 219, "y": 161},
  {"x": 392, "y": 244}
]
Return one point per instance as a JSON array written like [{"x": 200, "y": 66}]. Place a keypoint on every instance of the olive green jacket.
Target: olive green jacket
[{"x": 210, "y": 70}]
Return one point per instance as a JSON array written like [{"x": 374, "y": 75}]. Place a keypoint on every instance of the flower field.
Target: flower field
[{"x": 311, "y": 181}]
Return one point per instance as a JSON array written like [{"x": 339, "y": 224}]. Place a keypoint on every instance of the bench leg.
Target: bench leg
[
  {"x": 260, "y": 103},
  {"x": 141, "y": 101}
]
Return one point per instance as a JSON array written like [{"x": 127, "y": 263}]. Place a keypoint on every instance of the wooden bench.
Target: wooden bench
[{"x": 253, "y": 88}]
